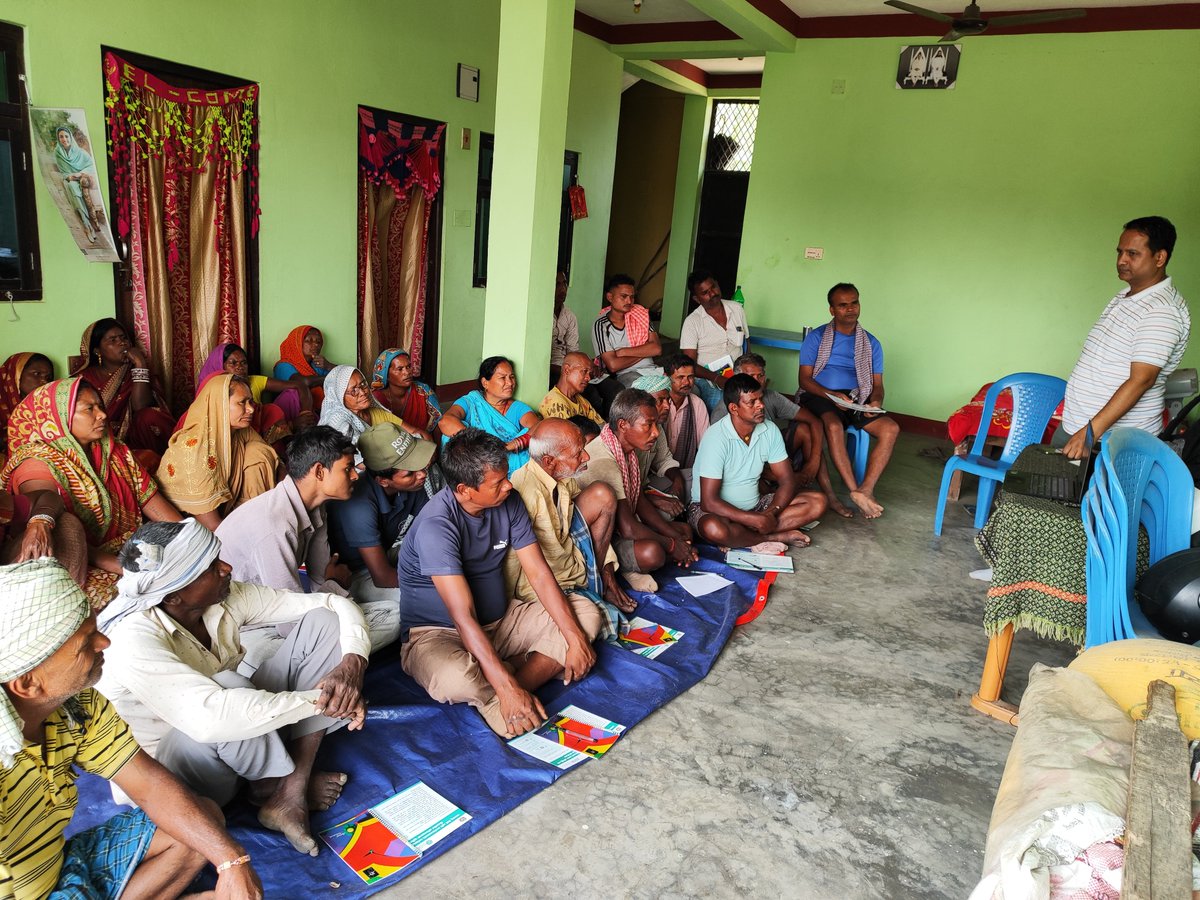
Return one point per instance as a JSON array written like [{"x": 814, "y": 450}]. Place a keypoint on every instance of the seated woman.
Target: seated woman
[
  {"x": 493, "y": 409},
  {"x": 301, "y": 362},
  {"x": 30, "y": 531},
  {"x": 396, "y": 389},
  {"x": 274, "y": 420},
  {"x": 60, "y": 443},
  {"x": 350, "y": 408},
  {"x": 20, "y": 374},
  {"x": 119, "y": 371},
  {"x": 217, "y": 461}
]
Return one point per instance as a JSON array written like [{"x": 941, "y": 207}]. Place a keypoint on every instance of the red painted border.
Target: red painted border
[
  {"x": 601, "y": 31},
  {"x": 780, "y": 13},
  {"x": 687, "y": 70},
  {"x": 917, "y": 425}
]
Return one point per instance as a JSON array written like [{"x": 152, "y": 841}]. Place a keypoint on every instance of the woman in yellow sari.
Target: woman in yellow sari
[
  {"x": 216, "y": 461},
  {"x": 59, "y": 441}
]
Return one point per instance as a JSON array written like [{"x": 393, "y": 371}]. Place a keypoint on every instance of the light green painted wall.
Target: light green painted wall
[
  {"x": 688, "y": 176},
  {"x": 316, "y": 61},
  {"x": 980, "y": 223}
]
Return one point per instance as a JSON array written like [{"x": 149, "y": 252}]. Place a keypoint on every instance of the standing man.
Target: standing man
[
  {"x": 1138, "y": 341},
  {"x": 624, "y": 340},
  {"x": 54, "y": 724},
  {"x": 465, "y": 639},
  {"x": 843, "y": 359},
  {"x": 731, "y": 511},
  {"x": 715, "y": 328},
  {"x": 564, "y": 338}
]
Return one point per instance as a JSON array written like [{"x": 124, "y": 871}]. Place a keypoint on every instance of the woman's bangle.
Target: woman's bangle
[
  {"x": 45, "y": 518},
  {"x": 230, "y": 863},
  {"x": 140, "y": 375}
]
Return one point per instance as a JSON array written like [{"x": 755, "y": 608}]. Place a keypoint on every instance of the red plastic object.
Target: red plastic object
[{"x": 760, "y": 600}]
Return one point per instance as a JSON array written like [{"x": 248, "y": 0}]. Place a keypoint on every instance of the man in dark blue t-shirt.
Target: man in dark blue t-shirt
[
  {"x": 367, "y": 530},
  {"x": 465, "y": 641}
]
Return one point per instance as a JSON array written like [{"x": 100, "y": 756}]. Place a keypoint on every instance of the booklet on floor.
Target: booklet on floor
[
  {"x": 758, "y": 562},
  {"x": 648, "y": 639},
  {"x": 392, "y": 835},
  {"x": 569, "y": 737}
]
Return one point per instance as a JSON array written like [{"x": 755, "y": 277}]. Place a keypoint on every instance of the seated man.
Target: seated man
[
  {"x": 716, "y": 328},
  {"x": 173, "y": 676},
  {"x": 663, "y": 474},
  {"x": 844, "y": 359},
  {"x": 564, "y": 337},
  {"x": 266, "y": 540},
  {"x": 566, "y": 397},
  {"x": 802, "y": 431},
  {"x": 731, "y": 512},
  {"x": 686, "y": 417},
  {"x": 367, "y": 530},
  {"x": 620, "y": 458},
  {"x": 624, "y": 340},
  {"x": 465, "y": 641},
  {"x": 552, "y": 497},
  {"x": 53, "y": 724}
]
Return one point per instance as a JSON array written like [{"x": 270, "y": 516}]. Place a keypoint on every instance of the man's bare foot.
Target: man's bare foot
[
  {"x": 864, "y": 501},
  {"x": 839, "y": 507},
  {"x": 794, "y": 538},
  {"x": 641, "y": 582},
  {"x": 617, "y": 597},
  {"x": 291, "y": 819},
  {"x": 324, "y": 788}
]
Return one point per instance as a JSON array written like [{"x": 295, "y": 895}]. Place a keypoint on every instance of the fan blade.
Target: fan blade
[
  {"x": 918, "y": 10},
  {"x": 950, "y": 37},
  {"x": 1051, "y": 15}
]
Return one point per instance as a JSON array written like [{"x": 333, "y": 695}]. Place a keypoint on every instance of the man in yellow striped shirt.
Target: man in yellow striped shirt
[{"x": 51, "y": 721}]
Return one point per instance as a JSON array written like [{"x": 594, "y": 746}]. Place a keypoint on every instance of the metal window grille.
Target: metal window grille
[{"x": 731, "y": 140}]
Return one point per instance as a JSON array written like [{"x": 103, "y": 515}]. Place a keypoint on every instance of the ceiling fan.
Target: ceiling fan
[{"x": 971, "y": 22}]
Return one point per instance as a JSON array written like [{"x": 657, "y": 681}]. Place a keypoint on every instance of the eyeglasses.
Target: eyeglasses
[{"x": 360, "y": 388}]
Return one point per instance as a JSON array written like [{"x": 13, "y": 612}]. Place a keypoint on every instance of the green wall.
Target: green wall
[
  {"x": 316, "y": 61},
  {"x": 980, "y": 223}
]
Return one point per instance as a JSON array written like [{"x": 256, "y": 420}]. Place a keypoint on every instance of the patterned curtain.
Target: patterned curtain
[
  {"x": 398, "y": 178},
  {"x": 178, "y": 156}
]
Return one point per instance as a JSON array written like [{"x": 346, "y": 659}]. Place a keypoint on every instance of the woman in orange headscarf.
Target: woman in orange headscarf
[
  {"x": 300, "y": 360},
  {"x": 60, "y": 441},
  {"x": 20, "y": 374}
]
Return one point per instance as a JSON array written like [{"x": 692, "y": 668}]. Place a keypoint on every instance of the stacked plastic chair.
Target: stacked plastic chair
[
  {"x": 858, "y": 445},
  {"x": 1138, "y": 481},
  {"x": 1035, "y": 398}
]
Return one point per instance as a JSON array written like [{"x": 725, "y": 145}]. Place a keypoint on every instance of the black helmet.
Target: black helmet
[{"x": 1169, "y": 595}]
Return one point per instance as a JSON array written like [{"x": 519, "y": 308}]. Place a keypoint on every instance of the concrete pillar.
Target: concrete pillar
[
  {"x": 688, "y": 177},
  {"x": 533, "y": 81}
]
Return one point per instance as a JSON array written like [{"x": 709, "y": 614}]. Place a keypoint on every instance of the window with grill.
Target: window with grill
[
  {"x": 20, "y": 266},
  {"x": 731, "y": 140}
]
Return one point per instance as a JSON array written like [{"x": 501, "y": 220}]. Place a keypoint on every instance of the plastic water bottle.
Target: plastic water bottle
[{"x": 737, "y": 296}]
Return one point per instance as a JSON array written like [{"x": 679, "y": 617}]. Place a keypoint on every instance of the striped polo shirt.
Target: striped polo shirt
[
  {"x": 38, "y": 795},
  {"x": 1148, "y": 327}
]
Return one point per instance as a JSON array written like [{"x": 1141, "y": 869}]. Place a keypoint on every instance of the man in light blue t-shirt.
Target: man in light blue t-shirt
[
  {"x": 841, "y": 363},
  {"x": 731, "y": 511}
]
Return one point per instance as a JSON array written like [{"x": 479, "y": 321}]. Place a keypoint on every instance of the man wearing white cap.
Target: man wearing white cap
[
  {"x": 173, "y": 675},
  {"x": 52, "y": 722}
]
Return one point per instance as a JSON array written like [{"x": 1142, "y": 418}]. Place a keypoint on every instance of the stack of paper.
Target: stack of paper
[{"x": 758, "y": 562}]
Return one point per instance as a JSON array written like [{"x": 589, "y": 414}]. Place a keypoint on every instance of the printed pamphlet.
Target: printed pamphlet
[
  {"x": 648, "y": 639},
  {"x": 569, "y": 737},
  {"x": 856, "y": 407},
  {"x": 392, "y": 835},
  {"x": 758, "y": 562}
]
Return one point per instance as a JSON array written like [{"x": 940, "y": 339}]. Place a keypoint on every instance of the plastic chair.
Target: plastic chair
[
  {"x": 858, "y": 445},
  {"x": 1034, "y": 400},
  {"x": 1138, "y": 481}
]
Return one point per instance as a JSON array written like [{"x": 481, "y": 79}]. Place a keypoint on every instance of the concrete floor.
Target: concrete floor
[{"x": 831, "y": 753}]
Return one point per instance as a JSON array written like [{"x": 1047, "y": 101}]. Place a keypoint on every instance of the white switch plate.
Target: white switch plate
[{"x": 814, "y": 253}]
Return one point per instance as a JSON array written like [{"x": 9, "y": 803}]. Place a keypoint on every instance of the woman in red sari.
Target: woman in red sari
[
  {"x": 60, "y": 442},
  {"x": 119, "y": 371},
  {"x": 400, "y": 393},
  {"x": 20, "y": 374}
]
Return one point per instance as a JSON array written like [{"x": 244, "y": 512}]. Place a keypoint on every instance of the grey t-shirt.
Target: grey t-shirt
[
  {"x": 446, "y": 540},
  {"x": 780, "y": 409}
]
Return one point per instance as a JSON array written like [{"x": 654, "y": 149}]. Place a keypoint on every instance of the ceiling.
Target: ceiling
[
  {"x": 733, "y": 66},
  {"x": 620, "y": 12}
]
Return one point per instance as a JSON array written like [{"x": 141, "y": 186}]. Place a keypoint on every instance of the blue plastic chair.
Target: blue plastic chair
[
  {"x": 1034, "y": 400},
  {"x": 1138, "y": 482},
  {"x": 858, "y": 445}
]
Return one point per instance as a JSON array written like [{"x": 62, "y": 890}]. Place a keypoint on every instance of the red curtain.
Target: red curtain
[
  {"x": 178, "y": 157},
  {"x": 399, "y": 176}
]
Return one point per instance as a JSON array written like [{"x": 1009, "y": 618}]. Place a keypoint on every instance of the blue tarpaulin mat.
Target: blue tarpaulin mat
[{"x": 409, "y": 738}]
